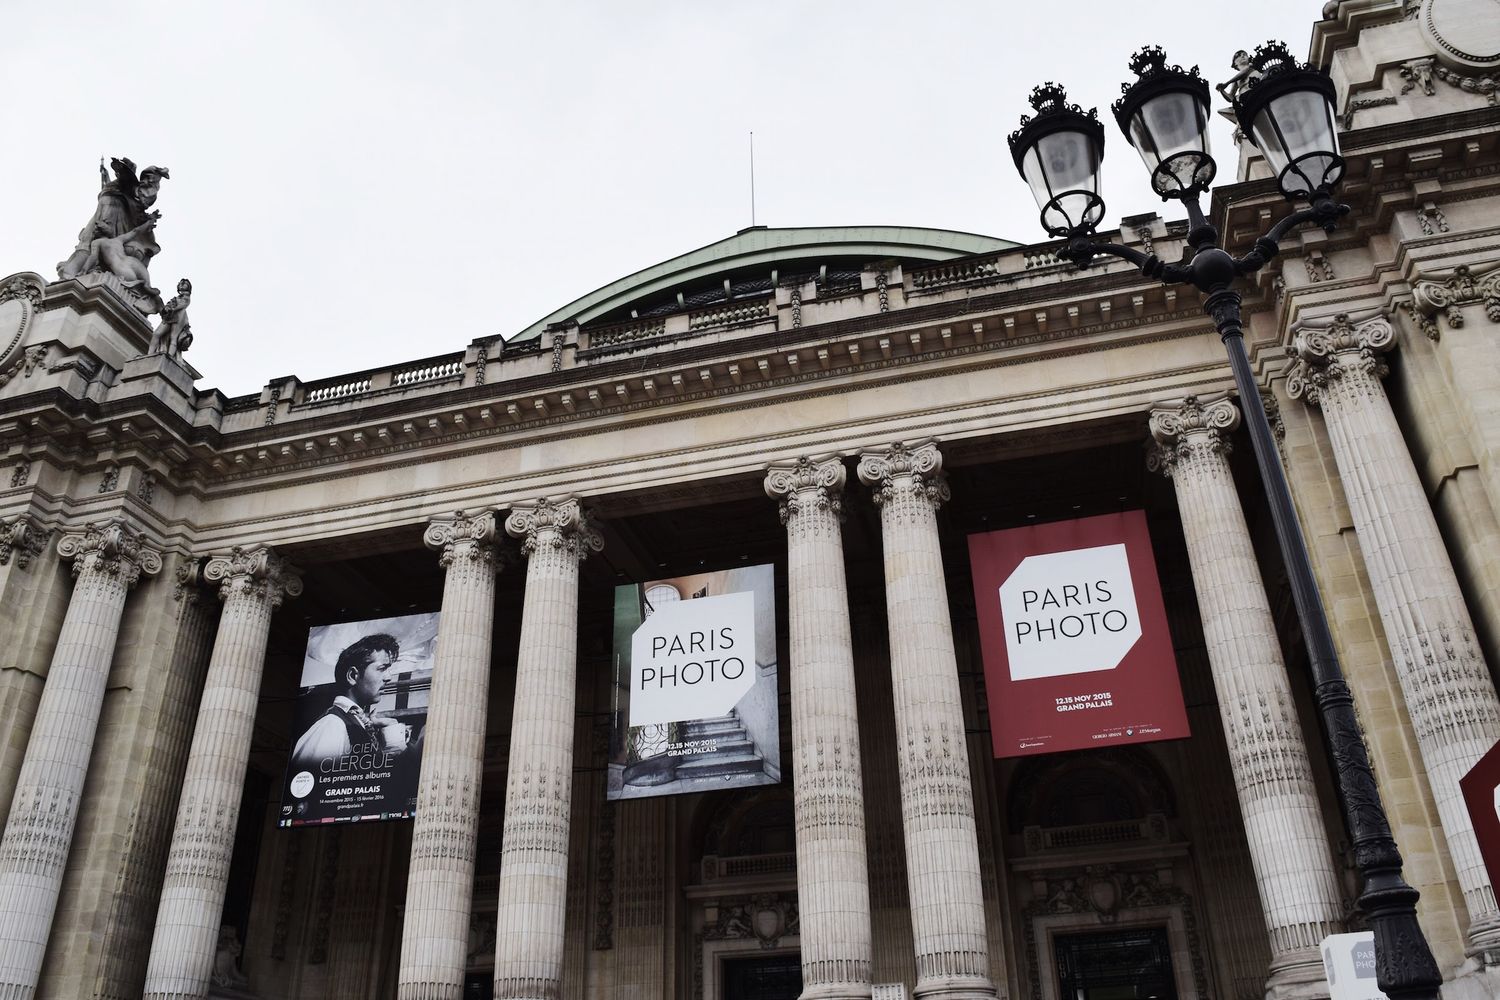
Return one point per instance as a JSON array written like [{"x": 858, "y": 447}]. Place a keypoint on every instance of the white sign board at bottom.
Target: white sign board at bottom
[{"x": 1349, "y": 964}]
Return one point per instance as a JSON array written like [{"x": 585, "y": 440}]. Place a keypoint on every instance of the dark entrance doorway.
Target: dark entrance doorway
[
  {"x": 775, "y": 977},
  {"x": 1131, "y": 964}
]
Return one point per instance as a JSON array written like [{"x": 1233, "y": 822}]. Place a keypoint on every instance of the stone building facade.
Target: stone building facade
[{"x": 847, "y": 404}]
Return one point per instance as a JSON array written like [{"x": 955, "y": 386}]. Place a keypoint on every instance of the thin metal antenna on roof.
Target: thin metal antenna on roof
[{"x": 752, "y": 177}]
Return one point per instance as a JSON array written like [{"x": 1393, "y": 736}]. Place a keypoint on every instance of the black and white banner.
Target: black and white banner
[{"x": 360, "y": 721}]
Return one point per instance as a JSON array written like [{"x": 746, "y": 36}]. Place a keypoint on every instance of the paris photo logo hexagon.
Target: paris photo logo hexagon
[
  {"x": 1069, "y": 612},
  {"x": 692, "y": 659}
]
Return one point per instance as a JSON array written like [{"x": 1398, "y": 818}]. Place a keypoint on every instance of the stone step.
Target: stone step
[
  {"x": 700, "y": 730},
  {"x": 720, "y": 765}
]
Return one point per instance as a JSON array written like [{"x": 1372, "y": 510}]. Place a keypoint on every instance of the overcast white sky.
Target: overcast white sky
[{"x": 354, "y": 185}]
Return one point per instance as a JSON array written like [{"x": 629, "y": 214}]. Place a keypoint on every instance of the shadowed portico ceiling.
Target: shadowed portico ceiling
[{"x": 786, "y": 251}]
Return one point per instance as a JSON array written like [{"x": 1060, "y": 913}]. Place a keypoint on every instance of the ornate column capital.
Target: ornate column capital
[
  {"x": 915, "y": 468},
  {"x": 1196, "y": 426},
  {"x": 1445, "y": 293},
  {"x": 560, "y": 524},
  {"x": 187, "y": 578},
  {"x": 806, "y": 484},
  {"x": 462, "y": 536},
  {"x": 1336, "y": 350},
  {"x": 254, "y": 571},
  {"x": 24, "y": 538},
  {"x": 110, "y": 547}
]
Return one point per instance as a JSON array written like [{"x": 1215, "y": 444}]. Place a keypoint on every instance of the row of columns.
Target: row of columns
[{"x": 1453, "y": 705}]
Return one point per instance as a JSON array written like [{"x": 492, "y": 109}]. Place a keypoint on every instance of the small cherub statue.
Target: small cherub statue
[
  {"x": 1245, "y": 74},
  {"x": 173, "y": 335}
]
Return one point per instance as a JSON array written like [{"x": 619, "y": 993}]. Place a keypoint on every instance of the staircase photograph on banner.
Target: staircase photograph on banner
[{"x": 695, "y": 699}]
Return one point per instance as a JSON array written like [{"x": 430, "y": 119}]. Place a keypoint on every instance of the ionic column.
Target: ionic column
[
  {"x": 108, "y": 558},
  {"x": 555, "y": 536},
  {"x": 1288, "y": 844},
  {"x": 1446, "y": 683},
  {"x": 440, "y": 886},
  {"x": 937, "y": 801},
  {"x": 833, "y": 887},
  {"x": 253, "y": 581}
]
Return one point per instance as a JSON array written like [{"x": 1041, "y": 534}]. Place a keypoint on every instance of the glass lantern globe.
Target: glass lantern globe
[
  {"x": 1286, "y": 109},
  {"x": 1164, "y": 115},
  {"x": 1058, "y": 151}
]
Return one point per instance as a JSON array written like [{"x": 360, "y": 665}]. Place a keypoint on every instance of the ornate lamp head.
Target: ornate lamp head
[
  {"x": 1287, "y": 111},
  {"x": 1058, "y": 151},
  {"x": 1164, "y": 115}
]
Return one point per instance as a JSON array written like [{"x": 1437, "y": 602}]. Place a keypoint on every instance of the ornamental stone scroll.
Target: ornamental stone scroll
[
  {"x": 1199, "y": 425},
  {"x": 1346, "y": 349},
  {"x": 1445, "y": 294},
  {"x": 906, "y": 470},
  {"x": 560, "y": 524}
]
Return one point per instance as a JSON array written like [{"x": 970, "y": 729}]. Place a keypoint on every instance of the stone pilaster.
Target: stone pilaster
[
  {"x": 556, "y": 536},
  {"x": 833, "y": 886},
  {"x": 937, "y": 802},
  {"x": 108, "y": 559},
  {"x": 440, "y": 883},
  {"x": 1288, "y": 845},
  {"x": 1454, "y": 710},
  {"x": 253, "y": 580}
]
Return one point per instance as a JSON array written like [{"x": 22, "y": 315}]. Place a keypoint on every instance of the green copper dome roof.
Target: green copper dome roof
[{"x": 786, "y": 251}]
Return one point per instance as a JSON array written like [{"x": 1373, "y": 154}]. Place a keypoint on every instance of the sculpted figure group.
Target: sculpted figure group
[{"x": 120, "y": 239}]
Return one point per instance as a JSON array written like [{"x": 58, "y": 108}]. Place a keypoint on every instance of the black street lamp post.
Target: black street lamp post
[{"x": 1286, "y": 109}]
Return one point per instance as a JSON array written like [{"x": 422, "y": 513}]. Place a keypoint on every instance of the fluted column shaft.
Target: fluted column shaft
[
  {"x": 937, "y": 801},
  {"x": 1288, "y": 844},
  {"x": 108, "y": 558},
  {"x": 538, "y": 790},
  {"x": 253, "y": 582},
  {"x": 440, "y": 885},
  {"x": 1454, "y": 710},
  {"x": 833, "y": 887}
]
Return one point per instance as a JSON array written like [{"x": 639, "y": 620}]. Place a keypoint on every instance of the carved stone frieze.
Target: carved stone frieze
[
  {"x": 1341, "y": 349},
  {"x": 768, "y": 917}
]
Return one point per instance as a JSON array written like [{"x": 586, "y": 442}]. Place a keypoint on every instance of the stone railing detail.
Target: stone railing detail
[
  {"x": 732, "y": 314},
  {"x": 625, "y": 333},
  {"x": 963, "y": 272},
  {"x": 430, "y": 371},
  {"x": 341, "y": 389}
]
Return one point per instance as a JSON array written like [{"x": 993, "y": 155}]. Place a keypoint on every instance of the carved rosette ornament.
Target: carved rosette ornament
[
  {"x": 108, "y": 558},
  {"x": 252, "y": 580},
  {"x": 1455, "y": 712},
  {"x": 435, "y": 941},
  {"x": 1197, "y": 429},
  {"x": 832, "y": 870},
  {"x": 556, "y": 536},
  {"x": 937, "y": 799},
  {"x": 1288, "y": 844},
  {"x": 23, "y": 539}
]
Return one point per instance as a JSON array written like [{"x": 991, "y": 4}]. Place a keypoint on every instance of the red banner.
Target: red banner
[{"x": 1076, "y": 648}]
